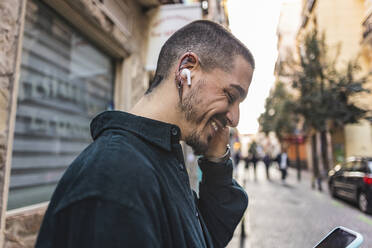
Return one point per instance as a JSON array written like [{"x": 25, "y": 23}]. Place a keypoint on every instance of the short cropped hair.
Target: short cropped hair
[{"x": 214, "y": 45}]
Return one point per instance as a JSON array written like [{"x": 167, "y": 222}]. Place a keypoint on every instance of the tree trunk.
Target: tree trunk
[
  {"x": 317, "y": 161},
  {"x": 329, "y": 150},
  {"x": 324, "y": 150},
  {"x": 298, "y": 164},
  {"x": 315, "y": 168}
]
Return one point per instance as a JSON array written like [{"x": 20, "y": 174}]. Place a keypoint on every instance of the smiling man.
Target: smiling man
[{"x": 130, "y": 187}]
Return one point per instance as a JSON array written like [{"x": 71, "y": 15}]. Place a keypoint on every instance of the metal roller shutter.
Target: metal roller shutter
[{"x": 65, "y": 81}]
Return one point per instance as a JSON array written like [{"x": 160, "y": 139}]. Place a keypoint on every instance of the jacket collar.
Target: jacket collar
[{"x": 159, "y": 133}]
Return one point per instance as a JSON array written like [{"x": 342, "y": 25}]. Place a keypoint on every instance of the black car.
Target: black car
[{"x": 352, "y": 180}]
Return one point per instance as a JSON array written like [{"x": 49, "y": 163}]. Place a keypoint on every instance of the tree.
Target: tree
[
  {"x": 325, "y": 92},
  {"x": 325, "y": 89},
  {"x": 279, "y": 116}
]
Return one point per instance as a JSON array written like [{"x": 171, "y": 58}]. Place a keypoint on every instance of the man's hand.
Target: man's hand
[{"x": 218, "y": 144}]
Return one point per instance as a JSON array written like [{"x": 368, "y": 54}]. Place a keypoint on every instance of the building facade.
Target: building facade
[
  {"x": 288, "y": 25},
  {"x": 346, "y": 29},
  {"x": 289, "y": 22}
]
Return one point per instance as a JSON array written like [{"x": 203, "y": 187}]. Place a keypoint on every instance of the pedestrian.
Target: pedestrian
[
  {"x": 316, "y": 179},
  {"x": 130, "y": 187},
  {"x": 254, "y": 160},
  {"x": 237, "y": 157},
  {"x": 252, "y": 151},
  {"x": 267, "y": 162},
  {"x": 246, "y": 167},
  {"x": 283, "y": 163}
]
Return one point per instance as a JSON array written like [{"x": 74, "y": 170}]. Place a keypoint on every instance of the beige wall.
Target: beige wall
[
  {"x": 366, "y": 44},
  {"x": 341, "y": 25},
  {"x": 341, "y": 21},
  {"x": 358, "y": 139}
]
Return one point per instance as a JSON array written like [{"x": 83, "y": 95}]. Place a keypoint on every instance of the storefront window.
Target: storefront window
[{"x": 65, "y": 81}]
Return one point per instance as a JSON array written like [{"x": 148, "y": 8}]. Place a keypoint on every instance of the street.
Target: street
[{"x": 291, "y": 214}]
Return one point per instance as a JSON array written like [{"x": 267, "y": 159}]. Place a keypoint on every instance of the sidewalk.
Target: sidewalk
[{"x": 246, "y": 179}]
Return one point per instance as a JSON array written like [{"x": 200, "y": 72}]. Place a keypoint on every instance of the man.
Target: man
[
  {"x": 253, "y": 157},
  {"x": 282, "y": 160},
  {"x": 267, "y": 161},
  {"x": 130, "y": 188}
]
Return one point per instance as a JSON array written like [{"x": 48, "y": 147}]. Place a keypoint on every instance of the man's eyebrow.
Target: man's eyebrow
[{"x": 241, "y": 91}]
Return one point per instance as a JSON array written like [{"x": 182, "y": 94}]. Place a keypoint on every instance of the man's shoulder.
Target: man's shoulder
[
  {"x": 127, "y": 146},
  {"x": 123, "y": 142},
  {"x": 116, "y": 155},
  {"x": 120, "y": 157},
  {"x": 109, "y": 169}
]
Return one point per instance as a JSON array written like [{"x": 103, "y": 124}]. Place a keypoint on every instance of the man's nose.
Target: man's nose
[{"x": 233, "y": 115}]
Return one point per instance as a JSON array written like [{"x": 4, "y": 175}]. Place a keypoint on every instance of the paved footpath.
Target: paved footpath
[{"x": 291, "y": 214}]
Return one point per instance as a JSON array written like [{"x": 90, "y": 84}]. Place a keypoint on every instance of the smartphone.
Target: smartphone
[{"x": 341, "y": 237}]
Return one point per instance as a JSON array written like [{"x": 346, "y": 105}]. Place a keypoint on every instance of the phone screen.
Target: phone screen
[{"x": 337, "y": 239}]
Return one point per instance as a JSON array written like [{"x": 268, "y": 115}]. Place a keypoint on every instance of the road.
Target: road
[{"x": 291, "y": 214}]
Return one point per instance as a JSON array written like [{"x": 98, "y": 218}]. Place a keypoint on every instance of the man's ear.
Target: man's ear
[{"x": 189, "y": 61}]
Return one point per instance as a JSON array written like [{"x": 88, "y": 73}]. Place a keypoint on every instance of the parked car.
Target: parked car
[{"x": 352, "y": 180}]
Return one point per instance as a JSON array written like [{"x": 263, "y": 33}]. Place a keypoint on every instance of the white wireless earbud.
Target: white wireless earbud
[{"x": 187, "y": 74}]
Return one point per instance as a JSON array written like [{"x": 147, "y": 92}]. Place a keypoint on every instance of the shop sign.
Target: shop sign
[{"x": 165, "y": 20}]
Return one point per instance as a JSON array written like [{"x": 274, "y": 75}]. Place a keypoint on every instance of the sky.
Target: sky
[{"x": 254, "y": 22}]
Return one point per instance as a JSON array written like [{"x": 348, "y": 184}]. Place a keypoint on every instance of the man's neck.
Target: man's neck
[{"x": 159, "y": 106}]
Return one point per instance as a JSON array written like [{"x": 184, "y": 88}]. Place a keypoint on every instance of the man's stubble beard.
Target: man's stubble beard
[{"x": 188, "y": 107}]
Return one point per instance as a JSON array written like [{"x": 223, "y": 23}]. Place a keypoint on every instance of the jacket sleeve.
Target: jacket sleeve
[
  {"x": 98, "y": 223},
  {"x": 222, "y": 202}
]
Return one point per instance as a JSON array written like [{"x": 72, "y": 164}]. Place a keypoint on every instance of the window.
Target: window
[
  {"x": 370, "y": 166},
  {"x": 65, "y": 81},
  {"x": 349, "y": 166},
  {"x": 359, "y": 166}
]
